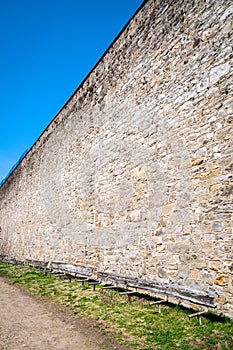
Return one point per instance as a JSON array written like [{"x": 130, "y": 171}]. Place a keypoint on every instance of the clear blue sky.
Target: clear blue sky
[{"x": 47, "y": 49}]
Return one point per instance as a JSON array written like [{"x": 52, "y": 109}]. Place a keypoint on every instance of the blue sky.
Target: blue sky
[{"x": 47, "y": 49}]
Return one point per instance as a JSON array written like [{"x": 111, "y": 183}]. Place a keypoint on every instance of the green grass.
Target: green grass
[{"x": 136, "y": 324}]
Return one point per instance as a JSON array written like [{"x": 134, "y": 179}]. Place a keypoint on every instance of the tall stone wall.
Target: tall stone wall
[{"x": 133, "y": 177}]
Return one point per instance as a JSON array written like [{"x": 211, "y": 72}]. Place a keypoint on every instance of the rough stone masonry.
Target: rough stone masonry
[{"x": 132, "y": 179}]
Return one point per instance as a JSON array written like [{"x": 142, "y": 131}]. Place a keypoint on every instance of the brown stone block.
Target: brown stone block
[
  {"x": 215, "y": 265},
  {"x": 194, "y": 274},
  {"x": 204, "y": 198},
  {"x": 206, "y": 227},
  {"x": 197, "y": 161},
  {"x": 210, "y": 174},
  {"x": 167, "y": 209},
  {"x": 172, "y": 273},
  {"x": 221, "y": 279},
  {"x": 207, "y": 248},
  {"x": 222, "y": 299},
  {"x": 216, "y": 187}
]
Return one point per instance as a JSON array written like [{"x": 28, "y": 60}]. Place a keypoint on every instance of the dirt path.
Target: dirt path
[{"x": 31, "y": 324}]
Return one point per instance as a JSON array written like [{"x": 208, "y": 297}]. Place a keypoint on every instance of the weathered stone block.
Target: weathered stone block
[
  {"x": 194, "y": 274},
  {"x": 217, "y": 226},
  {"x": 221, "y": 279},
  {"x": 197, "y": 161}
]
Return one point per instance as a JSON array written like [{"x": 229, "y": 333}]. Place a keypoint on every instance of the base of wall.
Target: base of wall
[{"x": 156, "y": 288}]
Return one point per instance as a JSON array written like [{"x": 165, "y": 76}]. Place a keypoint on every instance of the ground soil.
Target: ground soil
[{"x": 33, "y": 323}]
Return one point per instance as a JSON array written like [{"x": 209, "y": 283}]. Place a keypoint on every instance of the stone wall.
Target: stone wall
[{"x": 133, "y": 177}]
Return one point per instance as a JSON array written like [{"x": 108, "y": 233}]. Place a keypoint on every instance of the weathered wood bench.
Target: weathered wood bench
[{"x": 197, "y": 297}]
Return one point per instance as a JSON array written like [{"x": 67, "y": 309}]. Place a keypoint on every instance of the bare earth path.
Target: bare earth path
[{"x": 31, "y": 324}]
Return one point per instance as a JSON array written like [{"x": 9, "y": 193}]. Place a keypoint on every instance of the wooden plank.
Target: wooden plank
[
  {"x": 109, "y": 287},
  {"x": 75, "y": 269},
  {"x": 197, "y": 314},
  {"x": 157, "y": 302},
  {"x": 200, "y": 297}
]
